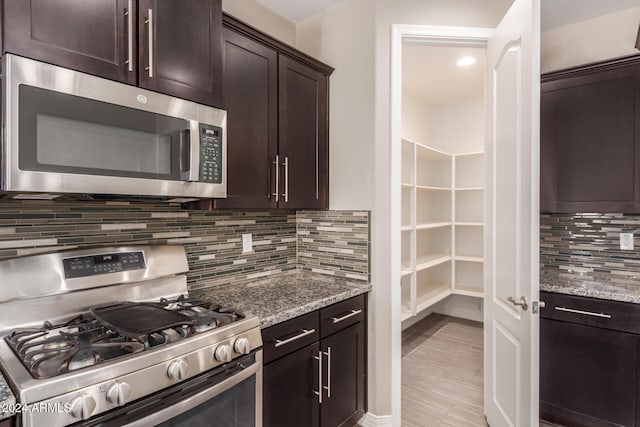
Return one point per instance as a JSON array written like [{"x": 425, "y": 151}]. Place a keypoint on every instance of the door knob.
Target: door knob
[{"x": 522, "y": 302}]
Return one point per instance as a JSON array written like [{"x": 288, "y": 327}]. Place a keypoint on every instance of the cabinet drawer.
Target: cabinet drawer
[
  {"x": 341, "y": 315},
  {"x": 289, "y": 336},
  {"x": 613, "y": 315}
]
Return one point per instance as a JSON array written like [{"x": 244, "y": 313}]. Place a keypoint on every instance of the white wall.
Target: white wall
[
  {"x": 458, "y": 127},
  {"x": 416, "y": 116},
  {"x": 257, "y": 15},
  {"x": 608, "y": 36},
  {"x": 342, "y": 37}
]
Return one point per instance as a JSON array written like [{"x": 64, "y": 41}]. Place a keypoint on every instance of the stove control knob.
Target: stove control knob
[
  {"x": 118, "y": 393},
  {"x": 177, "y": 370},
  {"x": 223, "y": 353},
  {"x": 82, "y": 407},
  {"x": 242, "y": 345}
]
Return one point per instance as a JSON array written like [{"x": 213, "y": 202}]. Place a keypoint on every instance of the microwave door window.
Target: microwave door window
[
  {"x": 76, "y": 144},
  {"x": 70, "y": 134}
]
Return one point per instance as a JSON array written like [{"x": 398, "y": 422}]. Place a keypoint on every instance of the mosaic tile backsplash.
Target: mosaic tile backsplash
[
  {"x": 213, "y": 240},
  {"x": 586, "y": 243},
  {"x": 334, "y": 243}
]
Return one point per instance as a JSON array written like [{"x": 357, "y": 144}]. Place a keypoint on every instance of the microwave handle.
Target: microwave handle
[
  {"x": 194, "y": 152},
  {"x": 185, "y": 153},
  {"x": 190, "y": 153}
]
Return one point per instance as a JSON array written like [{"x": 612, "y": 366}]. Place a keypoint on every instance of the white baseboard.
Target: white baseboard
[{"x": 370, "y": 420}]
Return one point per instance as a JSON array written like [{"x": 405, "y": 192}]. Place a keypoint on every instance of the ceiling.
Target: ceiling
[
  {"x": 298, "y": 10},
  {"x": 430, "y": 73},
  {"x": 559, "y": 13},
  {"x": 555, "y": 13}
]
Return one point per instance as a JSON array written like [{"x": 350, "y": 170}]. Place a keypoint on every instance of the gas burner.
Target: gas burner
[
  {"x": 83, "y": 341},
  {"x": 205, "y": 314},
  {"x": 54, "y": 350}
]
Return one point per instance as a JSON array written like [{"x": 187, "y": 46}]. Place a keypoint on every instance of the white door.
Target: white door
[{"x": 512, "y": 209}]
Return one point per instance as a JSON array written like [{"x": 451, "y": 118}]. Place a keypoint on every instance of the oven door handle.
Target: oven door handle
[{"x": 200, "y": 398}]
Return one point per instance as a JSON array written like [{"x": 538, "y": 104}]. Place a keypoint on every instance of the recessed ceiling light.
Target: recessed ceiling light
[{"x": 465, "y": 61}]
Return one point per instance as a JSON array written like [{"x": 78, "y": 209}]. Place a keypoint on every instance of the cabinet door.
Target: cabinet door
[
  {"x": 590, "y": 141},
  {"x": 90, "y": 36},
  {"x": 303, "y": 138},
  {"x": 588, "y": 376},
  {"x": 344, "y": 383},
  {"x": 250, "y": 90},
  {"x": 288, "y": 390},
  {"x": 180, "y": 45}
]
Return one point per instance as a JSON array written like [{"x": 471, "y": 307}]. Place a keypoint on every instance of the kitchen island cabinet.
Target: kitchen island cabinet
[
  {"x": 277, "y": 104},
  {"x": 315, "y": 371},
  {"x": 590, "y": 138},
  {"x": 169, "y": 47},
  {"x": 589, "y": 361}
]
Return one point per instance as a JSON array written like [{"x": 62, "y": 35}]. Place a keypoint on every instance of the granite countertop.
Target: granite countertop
[
  {"x": 285, "y": 296},
  {"x": 616, "y": 287},
  {"x": 7, "y": 400},
  {"x": 273, "y": 300}
]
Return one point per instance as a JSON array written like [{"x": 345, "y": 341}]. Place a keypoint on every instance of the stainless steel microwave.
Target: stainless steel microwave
[{"x": 70, "y": 132}]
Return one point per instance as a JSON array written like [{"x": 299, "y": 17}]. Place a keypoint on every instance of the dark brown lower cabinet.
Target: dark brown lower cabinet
[
  {"x": 288, "y": 384},
  {"x": 588, "y": 375},
  {"x": 343, "y": 353},
  {"x": 315, "y": 374}
]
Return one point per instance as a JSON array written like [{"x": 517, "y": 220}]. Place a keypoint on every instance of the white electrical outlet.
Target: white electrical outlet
[
  {"x": 626, "y": 241},
  {"x": 247, "y": 243}
]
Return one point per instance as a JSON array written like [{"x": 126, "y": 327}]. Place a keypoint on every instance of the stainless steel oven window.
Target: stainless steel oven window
[{"x": 233, "y": 408}]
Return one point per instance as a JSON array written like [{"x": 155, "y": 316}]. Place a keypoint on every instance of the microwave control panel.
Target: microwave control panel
[{"x": 210, "y": 154}]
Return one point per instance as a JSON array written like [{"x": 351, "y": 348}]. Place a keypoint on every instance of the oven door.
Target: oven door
[
  {"x": 229, "y": 396},
  {"x": 69, "y": 132}
]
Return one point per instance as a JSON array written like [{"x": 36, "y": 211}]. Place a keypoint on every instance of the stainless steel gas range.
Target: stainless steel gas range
[{"x": 110, "y": 337}]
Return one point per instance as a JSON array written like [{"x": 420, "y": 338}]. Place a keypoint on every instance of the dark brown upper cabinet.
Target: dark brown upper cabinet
[
  {"x": 88, "y": 36},
  {"x": 181, "y": 48},
  {"x": 169, "y": 47},
  {"x": 590, "y": 138},
  {"x": 250, "y": 92},
  {"x": 303, "y": 143},
  {"x": 277, "y": 107}
]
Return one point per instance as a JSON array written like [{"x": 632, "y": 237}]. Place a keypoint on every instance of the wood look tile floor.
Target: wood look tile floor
[{"x": 442, "y": 373}]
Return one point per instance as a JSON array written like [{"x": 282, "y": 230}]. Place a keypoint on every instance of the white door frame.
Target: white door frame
[{"x": 440, "y": 35}]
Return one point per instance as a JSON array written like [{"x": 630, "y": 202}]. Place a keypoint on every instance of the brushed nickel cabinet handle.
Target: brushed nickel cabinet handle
[
  {"x": 319, "y": 392},
  {"x": 286, "y": 180},
  {"x": 277, "y": 189},
  {"x": 129, "y": 16},
  {"x": 149, "y": 22},
  {"x": 328, "y": 386},
  {"x": 346, "y": 316},
  {"x": 586, "y": 313},
  {"x": 304, "y": 333}
]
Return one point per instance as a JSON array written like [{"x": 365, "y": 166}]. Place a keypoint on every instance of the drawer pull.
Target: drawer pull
[
  {"x": 304, "y": 333},
  {"x": 346, "y": 316},
  {"x": 586, "y": 313}
]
